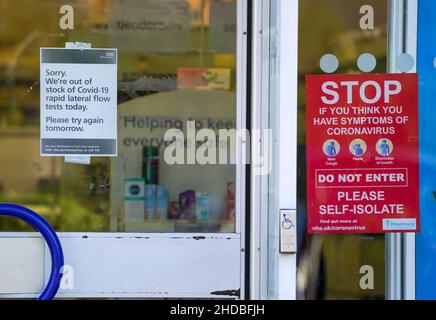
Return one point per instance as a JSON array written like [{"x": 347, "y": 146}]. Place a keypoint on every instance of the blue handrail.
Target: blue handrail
[{"x": 54, "y": 245}]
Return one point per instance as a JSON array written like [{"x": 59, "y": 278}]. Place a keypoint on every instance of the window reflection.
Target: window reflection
[{"x": 166, "y": 49}]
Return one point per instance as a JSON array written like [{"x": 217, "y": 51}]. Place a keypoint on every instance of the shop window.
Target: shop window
[{"x": 176, "y": 63}]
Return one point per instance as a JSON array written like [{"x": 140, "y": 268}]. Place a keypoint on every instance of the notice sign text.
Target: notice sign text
[
  {"x": 362, "y": 153},
  {"x": 78, "y": 102}
]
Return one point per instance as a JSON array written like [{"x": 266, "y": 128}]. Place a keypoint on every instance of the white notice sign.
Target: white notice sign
[{"x": 78, "y": 102}]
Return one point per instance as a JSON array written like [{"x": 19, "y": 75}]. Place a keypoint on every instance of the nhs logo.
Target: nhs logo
[{"x": 399, "y": 224}]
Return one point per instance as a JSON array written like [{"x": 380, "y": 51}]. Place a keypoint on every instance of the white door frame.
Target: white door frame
[
  {"x": 208, "y": 265},
  {"x": 400, "y": 248},
  {"x": 274, "y": 106}
]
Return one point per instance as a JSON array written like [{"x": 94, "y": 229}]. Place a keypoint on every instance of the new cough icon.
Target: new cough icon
[{"x": 331, "y": 148}]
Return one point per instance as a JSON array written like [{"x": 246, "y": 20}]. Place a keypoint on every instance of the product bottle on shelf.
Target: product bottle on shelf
[{"x": 150, "y": 164}]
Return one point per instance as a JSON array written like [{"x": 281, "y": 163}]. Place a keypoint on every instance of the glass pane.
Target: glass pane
[
  {"x": 329, "y": 266},
  {"x": 176, "y": 63}
]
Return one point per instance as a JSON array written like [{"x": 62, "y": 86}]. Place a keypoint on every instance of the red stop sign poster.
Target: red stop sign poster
[{"x": 362, "y": 153}]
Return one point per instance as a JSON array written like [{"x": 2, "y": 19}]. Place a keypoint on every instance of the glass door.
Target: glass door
[{"x": 338, "y": 37}]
